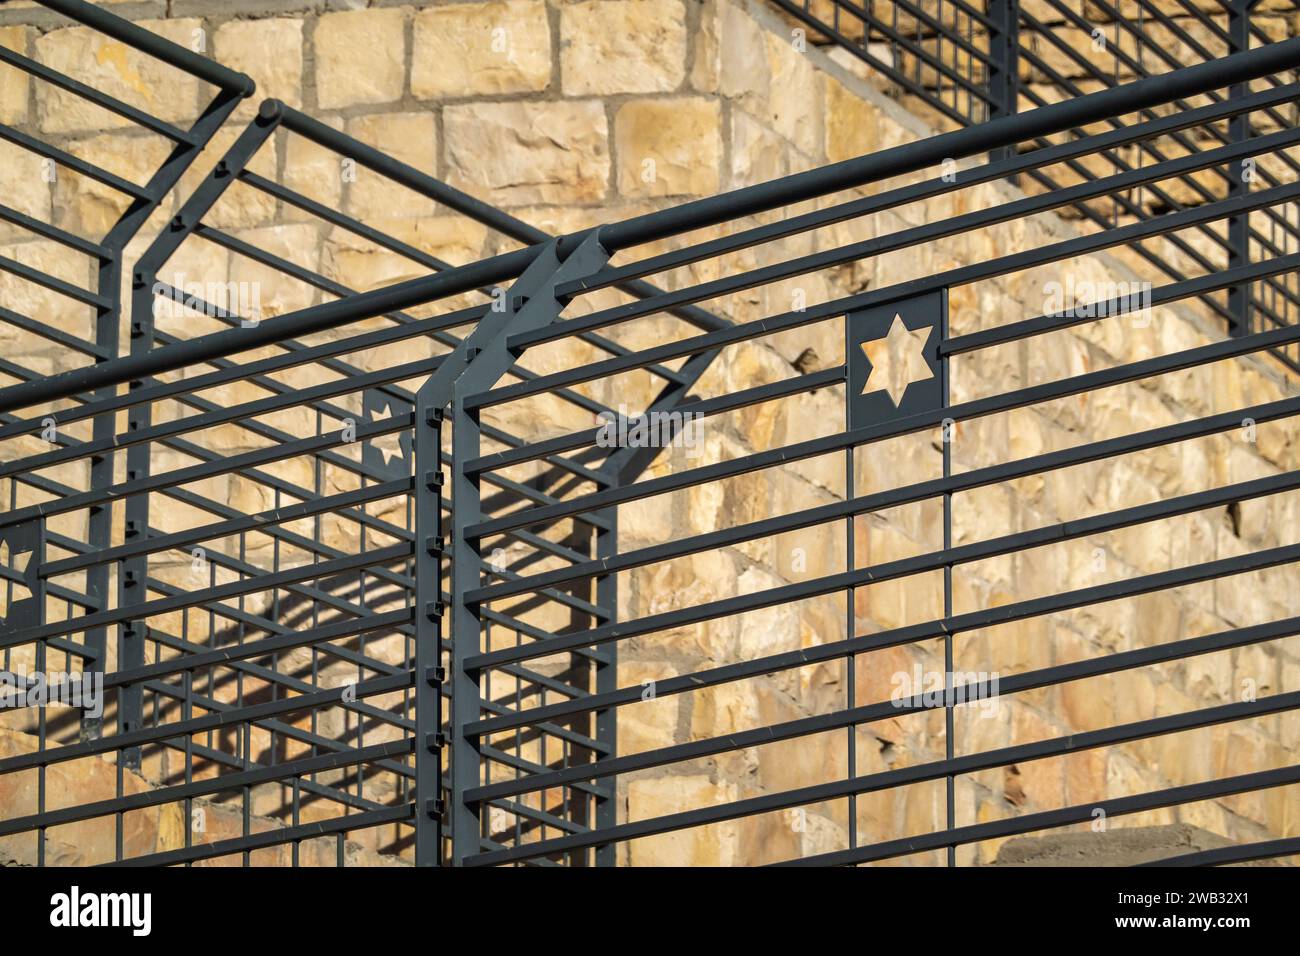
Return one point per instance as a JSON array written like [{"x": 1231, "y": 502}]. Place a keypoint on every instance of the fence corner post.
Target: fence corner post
[{"x": 429, "y": 549}]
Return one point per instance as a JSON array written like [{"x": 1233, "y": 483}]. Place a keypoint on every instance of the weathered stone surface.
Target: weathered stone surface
[
  {"x": 410, "y": 138},
  {"x": 650, "y": 723},
  {"x": 772, "y": 80},
  {"x": 756, "y": 152},
  {"x": 481, "y": 48},
  {"x": 668, "y": 147},
  {"x": 29, "y": 180},
  {"x": 622, "y": 46},
  {"x": 715, "y": 845},
  {"x": 270, "y": 51},
  {"x": 117, "y": 70},
  {"x": 360, "y": 57},
  {"x": 27, "y": 298},
  {"x": 1117, "y": 846},
  {"x": 315, "y": 172},
  {"x": 513, "y": 153},
  {"x": 15, "y": 85},
  {"x": 360, "y": 264}
]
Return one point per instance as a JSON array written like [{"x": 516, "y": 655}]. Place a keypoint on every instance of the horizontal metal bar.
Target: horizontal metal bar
[
  {"x": 751, "y": 200},
  {"x": 934, "y": 770},
  {"x": 76, "y": 164},
  {"x": 1068, "y": 248},
  {"x": 992, "y": 547},
  {"x": 219, "y": 466},
  {"x": 220, "y": 592},
  {"x": 270, "y": 838},
  {"x": 286, "y": 682},
  {"x": 54, "y": 233},
  {"x": 141, "y": 39},
  {"x": 188, "y": 425},
  {"x": 212, "y": 721},
  {"x": 838, "y": 650},
  {"x": 232, "y": 526},
  {"x": 1096, "y": 311},
  {"x": 98, "y": 97},
  {"x": 293, "y": 325},
  {"x": 452, "y": 198},
  {"x": 1245, "y": 853},
  {"x": 274, "y": 773},
  {"x": 52, "y": 334},
  {"x": 317, "y": 636},
  {"x": 515, "y": 762},
  {"x": 54, "y": 284},
  {"x": 965, "y": 411},
  {"x": 1049, "y": 819},
  {"x": 915, "y": 192},
  {"x": 911, "y": 157},
  {"x": 292, "y": 358},
  {"x": 718, "y": 405},
  {"x": 336, "y": 218},
  {"x": 555, "y": 730},
  {"x": 988, "y": 547},
  {"x": 788, "y": 594}
]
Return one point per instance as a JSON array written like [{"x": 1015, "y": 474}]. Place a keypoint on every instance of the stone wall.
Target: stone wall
[{"x": 572, "y": 113}]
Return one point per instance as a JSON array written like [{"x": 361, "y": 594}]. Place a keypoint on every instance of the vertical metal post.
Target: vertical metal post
[
  {"x": 947, "y": 434},
  {"x": 99, "y": 531},
  {"x": 1004, "y": 52},
  {"x": 466, "y": 509},
  {"x": 476, "y": 365},
  {"x": 1239, "y": 178},
  {"x": 428, "y": 630},
  {"x": 134, "y": 571},
  {"x": 606, "y": 681},
  {"x": 1004, "y": 64}
]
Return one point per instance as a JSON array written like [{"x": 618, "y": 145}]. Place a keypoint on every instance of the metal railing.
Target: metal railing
[
  {"x": 300, "y": 513},
  {"x": 971, "y": 61},
  {"x": 96, "y": 305},
  {"x": 401, "y": 459}
]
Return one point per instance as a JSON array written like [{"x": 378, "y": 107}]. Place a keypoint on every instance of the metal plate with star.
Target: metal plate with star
[
  {"x": 893, "y": 358},
  {"x": 388, "y": 454}
]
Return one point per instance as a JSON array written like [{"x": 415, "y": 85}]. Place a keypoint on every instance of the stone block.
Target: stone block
[
  {"x": 472, "y": 49},
  {"x": 518, "y": 153},
  {"x": 360, "y": 57},
  {"x": 622, "y": 46},
  {"x": 668, "y": 147}
]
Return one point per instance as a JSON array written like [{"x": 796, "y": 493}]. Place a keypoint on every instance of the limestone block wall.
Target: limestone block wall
[{"x": 568, "y": 114}]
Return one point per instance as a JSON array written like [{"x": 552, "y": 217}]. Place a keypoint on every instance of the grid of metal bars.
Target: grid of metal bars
[
  {"x": 306, "y": 672},
  {"x": 474, "y": 595},
  {"x": 974, "y": 61}
]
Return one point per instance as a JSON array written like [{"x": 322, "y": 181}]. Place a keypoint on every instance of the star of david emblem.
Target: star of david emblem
[
  {"x": 391, "y": 453},
  {"x": 19, "y": 553},
  {"x": 897, "y": 360},
  {"x": 893, "y": 359}
]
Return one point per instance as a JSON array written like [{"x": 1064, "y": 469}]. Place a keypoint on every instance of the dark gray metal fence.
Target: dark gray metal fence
[
  {"x": 310, "y": 653},
  {"x": 978, "y": 60}
]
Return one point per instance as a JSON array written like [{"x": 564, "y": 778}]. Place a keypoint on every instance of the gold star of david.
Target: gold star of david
[
  {"x": 897, "y": 360},
  {"x": 21, "y": 591},
  {"x": 388, "y": 445}
]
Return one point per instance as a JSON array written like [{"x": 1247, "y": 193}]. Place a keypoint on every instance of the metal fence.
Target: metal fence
[
  {"x": 288, "y": 650},
  {"x": 973, "y": 61}
]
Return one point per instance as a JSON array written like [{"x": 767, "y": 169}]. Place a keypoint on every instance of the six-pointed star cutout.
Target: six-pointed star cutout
[
  {"x": 20, "y": 591},
  {"x": 389, "y": 446},
  {"x": 897, "y": 360}
]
